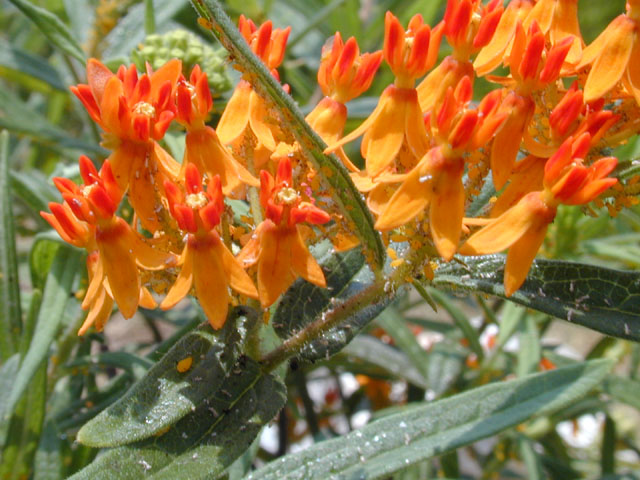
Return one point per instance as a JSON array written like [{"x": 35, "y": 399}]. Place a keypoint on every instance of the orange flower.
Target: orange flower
[
  {"x": 610, "y": 56},
  {"x": 397, "y": 119},
  {"x": 492, "y": 54},
  {"x": 203, "y": 147},
  {"x": 437, "y": 179},
  {"x": 134, "y": 112},
  {"x": 277, "y": 245},
  {"x": 343, "y": 75},
  {"x": 87, "y": 220},
  {"x": 207, "y": 264},
  {"x": 522, "y": 228},
  {"x": 532, "y": 68},
  {"x": 245, "y": 107},
  {"x": 468, "y": 25},
  {"x": 559, "y": 19}
]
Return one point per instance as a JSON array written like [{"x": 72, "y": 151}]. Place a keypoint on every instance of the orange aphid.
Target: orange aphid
[
  {"x": 277, "y": 245},
  {"x": 206, "y": 263}
]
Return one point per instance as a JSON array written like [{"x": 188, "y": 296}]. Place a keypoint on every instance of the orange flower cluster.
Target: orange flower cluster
[{"x": 427, "y": 149}]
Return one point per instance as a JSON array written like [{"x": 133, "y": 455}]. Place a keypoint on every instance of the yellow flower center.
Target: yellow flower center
[
  {"x": 196, "y": 200},
  {"x": 287, "y": 196},
  {"x": 144, "y": 108}
]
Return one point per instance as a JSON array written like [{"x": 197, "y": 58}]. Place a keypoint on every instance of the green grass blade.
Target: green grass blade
[{"x": 10, "y": 313}]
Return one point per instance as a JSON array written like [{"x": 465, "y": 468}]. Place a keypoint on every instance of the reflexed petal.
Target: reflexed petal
[
  {"x": 149, "y": 257},
  {"x": 274, "y": 267},
  {"x": 610, "y": 65},
  {"x": 410, "y": 199},
  {"x": 211, "y": 284},
  {"x": 235, "y": 117},
  {"x": 258, "y": 114},
  {"x": 145, "y": 190},
  {"x": 527, "y": 177},
  {"x": 250, "y": 253},
  {"x": 165, "y": 162},
  {"x": 364, "y": 126},
  {"x": 382, "y": 141},
  {"x": 520, "y": 257},
  {"x": 120, "y": 266},
  {"x": 415, "y": 130},
  {"x": 238, "y": 278},
  {"x": 110, "y": 106},
  {"x": 122, "y": 158},
  {"x": 593, "y": 50},
  {"x": 633, "y": 70},
  {"x": 182, "y": 285},
  {"x": 146, "y": 299},
  {"x": 491, "y": 55},
  {"x": 99, "y": 313},
  {"x": 509, "y": 227},
  {"x": 303, "y": 263},
  {"x": 506, "y": 142},
  {"x": 95, "y": 270},
  {"x": 447, "y": 209}
]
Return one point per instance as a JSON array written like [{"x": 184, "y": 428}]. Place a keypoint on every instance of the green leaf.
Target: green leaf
[
  {"x": 130, "y": 30},
  {"x": 304, "y": 305},
  {"x": 48, "y": 462},
  {"x": 460, "y": 320},
  {"x": 430, "y": 429},
  {"x": 404, "y": 339},
  {"x": 529, "y": 350},
  {"x": 599, "y": 298},
  {"x": 165, "y": 395},
  {"x": 133, "y": 364},
  {"x": 530, "y": 458},
  {"x": 35, "y": 190},
  {"x": 41, "y": 256},
  {"x": 25, "y": 64},
  {"x": 329, "y": 168},
  {"x": 8, "y": 372},
  {"x": 25, "y": 427},
  {"x": 608, "y": 448},
  {"x": 57, "y": 292},
  {"x": 34, "y": 124},
  {"x": 205, "y": 442},
  {"x": 51, "y": 26},
  {"x": 388, "y": 359},
  {"x": 10, "y": 312},
  {"x": 622, "y": 389}
]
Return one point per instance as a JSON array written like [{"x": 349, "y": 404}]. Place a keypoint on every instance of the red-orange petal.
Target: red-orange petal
[{"x": 303, "y": 263}]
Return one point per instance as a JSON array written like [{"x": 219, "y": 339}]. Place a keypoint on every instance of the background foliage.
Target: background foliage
[{"x": 450, "y": 379}]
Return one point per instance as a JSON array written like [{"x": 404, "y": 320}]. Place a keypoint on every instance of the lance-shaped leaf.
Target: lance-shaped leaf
[
  {"x": 328, "y": 167},
  {"x": 205, "y": 442},
  {"x": 57, "y": 292},
  {"x": 306, "y": 307},
  {"x": 10, "y": 313},
  {"x": 599, "y": 298},
  {"x": 431, "y": 429},
  {"x": 23, "y": 64},
  {"x": 166, "y": 394},
  {"x": 50, "y": 25}
]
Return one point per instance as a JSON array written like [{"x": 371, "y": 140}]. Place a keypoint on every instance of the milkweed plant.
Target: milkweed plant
[{"x": 320, "y": 240}]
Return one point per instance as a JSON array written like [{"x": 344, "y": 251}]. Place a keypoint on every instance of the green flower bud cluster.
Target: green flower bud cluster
[{"x": 158, "y": 49}]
